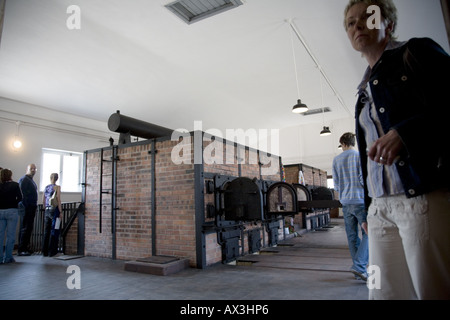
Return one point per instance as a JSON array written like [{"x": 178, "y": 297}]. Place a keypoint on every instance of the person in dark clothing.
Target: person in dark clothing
[
  {"x": 29, "y": 205},
  {"x": 52, "y": 213},
  {"x": 10, "y": 196},
  {"x": 401, "y": 126}
]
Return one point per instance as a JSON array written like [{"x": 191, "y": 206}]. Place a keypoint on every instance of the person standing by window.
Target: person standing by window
[
  {"x": 29, "y": 206},
  {"x": 52, "y": 213}
]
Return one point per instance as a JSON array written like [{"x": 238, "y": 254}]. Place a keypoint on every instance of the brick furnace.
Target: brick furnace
[
  {"x": 174, "y": 197},
  {"x": 185, "y": 195}
]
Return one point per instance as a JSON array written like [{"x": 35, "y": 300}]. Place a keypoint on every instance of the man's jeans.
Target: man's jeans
[
  {"x": 8, "y": 224},
  {"x": 354, "y": 215}
]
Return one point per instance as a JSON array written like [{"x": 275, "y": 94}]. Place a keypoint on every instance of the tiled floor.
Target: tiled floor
[{"x": 313, "y": 266}]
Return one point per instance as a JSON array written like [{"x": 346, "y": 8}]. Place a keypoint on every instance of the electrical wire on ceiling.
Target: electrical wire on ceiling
[{"x": 319, "y": 67}]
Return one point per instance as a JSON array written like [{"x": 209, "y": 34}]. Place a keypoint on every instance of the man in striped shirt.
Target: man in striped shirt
[{"x": 348, "y": 182}]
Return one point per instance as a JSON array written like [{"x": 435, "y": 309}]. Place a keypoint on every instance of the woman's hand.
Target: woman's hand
[
  {"x": 364, "y": 227},
  {"x": 386, "y": 150}
]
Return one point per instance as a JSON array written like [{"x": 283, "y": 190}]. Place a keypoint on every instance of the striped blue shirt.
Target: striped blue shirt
[
  {"x": 347, "y": 177},
  {"x": 381, "y": 180}
]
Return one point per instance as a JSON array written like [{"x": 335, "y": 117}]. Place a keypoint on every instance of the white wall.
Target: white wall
[
  {"x": 303, "y": 144},
  {"x": 42, "y": 128}
]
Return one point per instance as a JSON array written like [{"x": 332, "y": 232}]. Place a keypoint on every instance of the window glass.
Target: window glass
[
  {"x": 330, "y": 183},
  {"x": 67, "y": 164},
  {"x": 71, "y": 169},
  {"x": 51, "y": 163}
]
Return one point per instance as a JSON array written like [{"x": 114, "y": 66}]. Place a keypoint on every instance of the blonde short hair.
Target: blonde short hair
[
  {"x": 388, "y": 11},
  {"x": 54, "y": 177}
]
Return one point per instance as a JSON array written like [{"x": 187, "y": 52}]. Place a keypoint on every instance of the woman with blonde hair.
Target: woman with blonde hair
[
  {"x": 401, "y": 129},
  {"x": 52, "y": 214}
]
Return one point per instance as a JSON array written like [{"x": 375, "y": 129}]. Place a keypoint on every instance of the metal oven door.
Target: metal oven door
[
  {"x": 243, "y": 200},
  {"x": 281, "y": 199}
]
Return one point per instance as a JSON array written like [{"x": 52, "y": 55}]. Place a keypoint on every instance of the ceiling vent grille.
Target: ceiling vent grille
[
  {"x": 191, "y": 11},
  {"x": 316, "y": 111}
]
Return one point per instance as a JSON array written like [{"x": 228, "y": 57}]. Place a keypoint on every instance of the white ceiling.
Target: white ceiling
[{"x": 234, "y": 70}]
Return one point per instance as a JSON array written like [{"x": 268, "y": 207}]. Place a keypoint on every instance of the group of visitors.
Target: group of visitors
[{"x": 19, "y": 203}]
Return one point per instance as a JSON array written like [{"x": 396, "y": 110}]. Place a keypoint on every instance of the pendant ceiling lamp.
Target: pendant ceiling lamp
[
  {"x": 325, "y": 132},
  {"x": 299, "y": 107},
  {"x": 297, "y": 33}
]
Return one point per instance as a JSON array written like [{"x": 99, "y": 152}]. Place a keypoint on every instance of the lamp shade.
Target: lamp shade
[
  {"x": 325, "y": 132},
  {"x": 299, "y": 107}
]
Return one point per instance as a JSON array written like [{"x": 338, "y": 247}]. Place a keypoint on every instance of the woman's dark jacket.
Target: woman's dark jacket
[
  {"x": 410, "y": 88},
  {"x": 10, "y": 196}
]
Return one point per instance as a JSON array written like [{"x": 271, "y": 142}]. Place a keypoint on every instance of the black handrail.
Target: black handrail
[
  {"x": 70, "y": 221},
  {"x": 70, "y": 211}
]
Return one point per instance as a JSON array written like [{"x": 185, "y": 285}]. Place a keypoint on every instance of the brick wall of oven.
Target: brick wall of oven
[
  {"x": 98, "y": 240},
  {"x": 312, "y": 176},
  {"x": 175, "y": 204},
  {"x": 174, "y": 201},
  {"x": 133, "y": 230},
  {"x": 174, "y": 193},
  {"x": 72, "y": 239}
]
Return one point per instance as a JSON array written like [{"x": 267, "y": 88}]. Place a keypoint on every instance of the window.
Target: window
[
  {"x": 330, "y": 183},
  {"x": 67, "y": 164}
]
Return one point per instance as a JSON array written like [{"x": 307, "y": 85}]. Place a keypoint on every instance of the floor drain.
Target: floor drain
[{"x": 268, "y": 252}]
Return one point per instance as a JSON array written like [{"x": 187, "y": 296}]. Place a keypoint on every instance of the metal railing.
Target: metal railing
[{"x": 37, "y": 236}]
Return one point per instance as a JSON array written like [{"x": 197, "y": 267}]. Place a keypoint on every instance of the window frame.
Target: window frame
[{"x": 45, "y": 180}]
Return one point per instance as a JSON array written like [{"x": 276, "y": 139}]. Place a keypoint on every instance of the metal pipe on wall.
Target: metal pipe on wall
[{"x": 153, "y": 196}]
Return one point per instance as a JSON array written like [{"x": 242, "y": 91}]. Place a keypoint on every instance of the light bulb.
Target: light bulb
[{"x": 17, "y": 143}]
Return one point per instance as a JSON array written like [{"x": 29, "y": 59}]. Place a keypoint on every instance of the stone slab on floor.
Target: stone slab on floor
[
  {"x": 157, "y": 265},
  {"x": 68, "y": 257}
]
